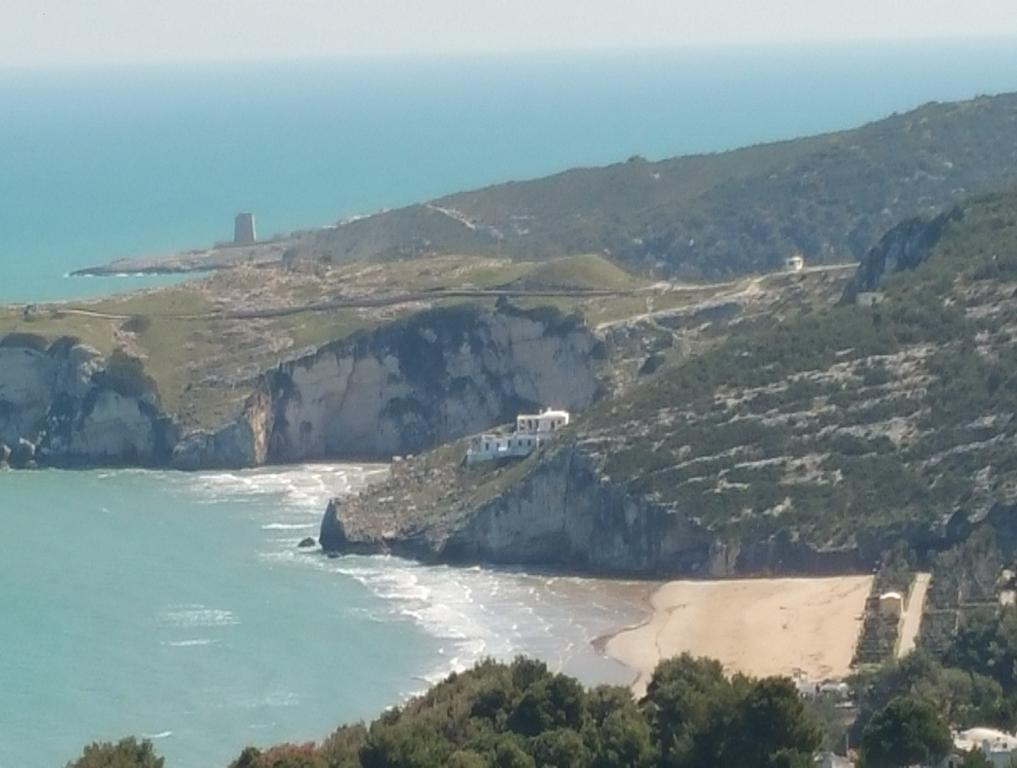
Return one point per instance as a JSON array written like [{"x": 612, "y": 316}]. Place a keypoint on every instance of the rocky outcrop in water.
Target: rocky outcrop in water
[{"x": 62, "y": 404}]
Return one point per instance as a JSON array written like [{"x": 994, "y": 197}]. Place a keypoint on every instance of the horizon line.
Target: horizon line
[{"x": 788, "y": 45}]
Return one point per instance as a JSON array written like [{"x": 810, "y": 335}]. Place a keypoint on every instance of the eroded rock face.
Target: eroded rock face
[
  {"x": 435, "y": 377},
  {"x": 399, "y": 389},
  {"x": 55, "y": 398},
  {"x": 33, "y": 376},
  {"x": 904, "y": 247},
  {"x": 22, "y": 456},
  {"x": 240, "y": 443},
  {"x": 562, "y": 512}
]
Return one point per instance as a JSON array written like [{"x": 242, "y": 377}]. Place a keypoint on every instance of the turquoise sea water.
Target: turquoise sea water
[
  {"x": 98, "y": 164},
  {"x": 178, "y": 606}
]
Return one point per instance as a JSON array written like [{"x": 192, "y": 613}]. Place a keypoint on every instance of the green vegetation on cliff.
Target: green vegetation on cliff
[
  {"x": 847, "y": 426},
  {"x": 778, "y": 429},
  {"x": 829, "y": 196}
]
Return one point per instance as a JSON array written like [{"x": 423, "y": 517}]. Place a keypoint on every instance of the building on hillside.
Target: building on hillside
[
  {"x": 999, "y": 747},
  {"x": 794, "y": 263},
  {"x": 541, "y": 423},
  {"x": 531, "y": 431},
  {"x": 243, "y": 229},
  {"x": 891, "y": 604}
]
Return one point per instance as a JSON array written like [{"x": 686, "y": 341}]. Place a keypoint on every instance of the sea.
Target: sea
[{"x": 178, "y": 606}]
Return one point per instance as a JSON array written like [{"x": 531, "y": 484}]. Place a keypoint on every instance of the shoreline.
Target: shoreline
[{"x": 769, "y": 626}]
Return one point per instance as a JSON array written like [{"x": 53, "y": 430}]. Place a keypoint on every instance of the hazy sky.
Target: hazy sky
[{"x": 47, "y": 32}]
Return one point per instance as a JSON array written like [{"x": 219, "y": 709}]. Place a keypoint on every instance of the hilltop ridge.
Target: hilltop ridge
[
  {"x": 710, "y": 216},
  {"x": 808, "y": 437}
]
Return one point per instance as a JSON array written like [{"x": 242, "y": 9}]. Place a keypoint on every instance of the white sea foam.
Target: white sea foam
[
  {"x": 305, "y": 488},
  {"x": 189, "y": 643},
  {"x": 287, "y": 526},
  {"x": 193, "y": 616},
  {"x": 157, "y": 736}
]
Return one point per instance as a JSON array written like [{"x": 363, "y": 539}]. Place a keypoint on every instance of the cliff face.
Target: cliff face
[
  {"x": 556, "y": 509},
  {"x": 810, "y": 443},
  {"x": 61, "y": 399},
  {"x": 904, "y": 247},
  {"x": 399, "y": 389},
  {"x": 418, "y": 383},
  {"x": 240, "y": 443}
]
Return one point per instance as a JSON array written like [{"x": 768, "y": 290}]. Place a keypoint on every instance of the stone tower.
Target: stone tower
[{"x": 243, "y": 229}]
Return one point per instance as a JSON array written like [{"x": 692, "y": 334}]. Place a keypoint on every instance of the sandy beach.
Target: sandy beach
[{"x": 755, "y": 626}]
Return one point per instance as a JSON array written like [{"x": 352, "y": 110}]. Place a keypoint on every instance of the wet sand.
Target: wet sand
[{"x": 755, "y": 626}]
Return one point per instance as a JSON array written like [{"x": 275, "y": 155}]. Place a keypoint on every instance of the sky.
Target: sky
[{"x": 61, "y": 32}]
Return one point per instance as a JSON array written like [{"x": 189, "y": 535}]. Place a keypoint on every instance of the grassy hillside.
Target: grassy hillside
[
  {"x": 771, "y": 411},
  {"x": 850, "y": 424},
  {"x": 829, "y": 196},
  {"x": 205, "y": 342}
]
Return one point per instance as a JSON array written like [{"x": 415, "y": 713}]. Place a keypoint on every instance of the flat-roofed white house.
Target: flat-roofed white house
[
  {"x": 541, "y": 423},
  {"x": 794, "y": 263},
  {"x": 999, "y": 747},
  {"x": 531, "y": 431}
]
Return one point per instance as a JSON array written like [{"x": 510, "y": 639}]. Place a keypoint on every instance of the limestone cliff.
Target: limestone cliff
[
  {"x": 239, "y": 443},
  {"x": 398, "y": 389},
  {"x": 75, "y": 408},
  {"x": 904, "y": 247},
  {"x": 556, "y": 509},
  {"x": 808, "y": 443},
  {"x": 420, "y": 382}
]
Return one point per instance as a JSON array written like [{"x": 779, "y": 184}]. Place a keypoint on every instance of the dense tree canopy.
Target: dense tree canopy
[
  {"x": 522, "y": 715},
  {"x": 908, "y": 731},
  {"x": 127, "y": 753}
]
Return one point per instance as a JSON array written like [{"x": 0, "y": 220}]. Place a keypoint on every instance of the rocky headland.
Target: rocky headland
[
  {"x": 62, "y": 404},
  {"x": 808, "y": 443},
  {"x": 402, "y": 388}
]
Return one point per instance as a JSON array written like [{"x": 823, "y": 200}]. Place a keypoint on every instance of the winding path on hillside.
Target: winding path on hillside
[{"x": 912, "y": 620}]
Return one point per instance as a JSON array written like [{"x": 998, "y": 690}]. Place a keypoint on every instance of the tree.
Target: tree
[
  {"x": 689, "y": 702},
  {"x": 561, "y": 748},
  {"x": 127, "y": 753},
  {"x": 342, "y": 748},
  {"x": 622, "y": 734},
  {"x": 508, "y": 754},
  {"x": 976, "y": 759},
  {"x": 908, "y": 731},
  {"x": 281, "y": 756},
  {"x": 771, "y": 721}
]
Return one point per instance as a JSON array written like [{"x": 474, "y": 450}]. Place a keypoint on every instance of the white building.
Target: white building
[
  {"x": 541, "y": 423},
  {"x": 998, "y": 746},
  {"x": 531, "y": 431},
  {"x": 891, "y": 604},
  {"x": 795, "y": 263}
]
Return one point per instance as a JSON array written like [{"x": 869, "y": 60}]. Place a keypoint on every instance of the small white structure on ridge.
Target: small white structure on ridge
[
  {"x": 794, "y": 263},
  {"x": 531, "y": 431},
  {"x": 541, "y": 423}
]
